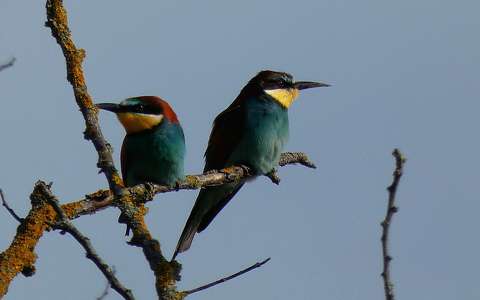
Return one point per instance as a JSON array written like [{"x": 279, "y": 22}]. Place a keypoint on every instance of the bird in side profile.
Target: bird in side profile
[
  {"x": 154, "y": 147},
  {"x": 252, "y": 132}
]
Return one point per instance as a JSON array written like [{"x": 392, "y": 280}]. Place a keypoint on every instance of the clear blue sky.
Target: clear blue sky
[{"x": 405, "y": 74}]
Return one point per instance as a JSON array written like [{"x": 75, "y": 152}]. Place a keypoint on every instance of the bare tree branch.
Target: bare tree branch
[
  {"x": 391, "y": 210},
  {"x": 9, "y": 209},
  {"x": 204, "y": 287},
  {"x": 65, "y": 225},
  {"x": 8, "y": 64}
]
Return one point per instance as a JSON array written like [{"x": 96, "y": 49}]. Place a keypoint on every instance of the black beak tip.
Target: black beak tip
[{"x": 302, "y": 85}]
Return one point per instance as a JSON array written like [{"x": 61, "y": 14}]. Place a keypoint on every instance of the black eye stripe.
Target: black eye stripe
[
  {"x": 142, "y": 109},
  {"x": 278, "y": 83}
]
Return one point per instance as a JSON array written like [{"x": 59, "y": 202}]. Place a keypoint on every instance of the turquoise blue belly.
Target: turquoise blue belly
[
  {"x": 156, "y": 156},
  {"x": 265, "y": 135}
]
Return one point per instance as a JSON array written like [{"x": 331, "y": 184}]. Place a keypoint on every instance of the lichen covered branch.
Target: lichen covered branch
[
  {"x": 20, "y": 256},
  {"x": 145, "y": 192},
  {"x": 391, "y": 210},
  {"x": 58, "y": 23}
]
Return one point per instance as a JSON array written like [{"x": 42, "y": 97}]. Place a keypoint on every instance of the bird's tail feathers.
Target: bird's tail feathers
[
  {"x": 208, "y": 204},
  {"x": 188, "y": 233}
]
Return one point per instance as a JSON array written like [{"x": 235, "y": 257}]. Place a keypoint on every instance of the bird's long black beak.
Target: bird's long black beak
[
  {"x": 302, "y": 85},
  {"x": 113, "y": 107}
]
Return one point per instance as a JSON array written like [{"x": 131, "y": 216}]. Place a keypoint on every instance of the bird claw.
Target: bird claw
[
  {"x": 177, "y": 185},
  {"x": 246, "y": 170},
  {"x": 273, "y": 176},
  {"x": 210, "y": 171},
  {"x": 232, "y": 174},
  {"x": 229, "y": 173}
]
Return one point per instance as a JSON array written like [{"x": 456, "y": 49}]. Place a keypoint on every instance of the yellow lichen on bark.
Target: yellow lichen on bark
[
  {"x": 117, "y": 180},
  {"x": 166, "y": 280},
  {"x": 20, "y": 256}
]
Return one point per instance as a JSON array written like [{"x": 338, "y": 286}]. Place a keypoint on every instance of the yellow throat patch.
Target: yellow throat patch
[
  {"x": 284, "y": 96},
  {"x": 135, "y": 122}
]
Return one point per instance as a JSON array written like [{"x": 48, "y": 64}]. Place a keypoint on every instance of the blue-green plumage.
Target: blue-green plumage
[
  {"x": 265, "y": 134},
  {"x": 155, "y": 155},
  {"x": 252, "y": 131},
  {"x": 154, "y": 148}
]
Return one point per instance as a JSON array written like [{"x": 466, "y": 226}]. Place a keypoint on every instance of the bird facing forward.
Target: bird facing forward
[
  {"x": 154, "y": 147},
  {"x": 252, "y": 132}
]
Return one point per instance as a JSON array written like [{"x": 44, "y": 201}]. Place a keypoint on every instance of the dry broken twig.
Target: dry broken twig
[
  {"x": 203, "y": 287},
  {"x": 391, "y": 210},
  {"x": 9, "y": 209},
  {"x": 8, "y": 64}
]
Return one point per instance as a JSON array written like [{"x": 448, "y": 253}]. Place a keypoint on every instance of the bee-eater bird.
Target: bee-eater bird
[
  {"x": 251, "y": 132},
  {"x": 154, "y": 147}
]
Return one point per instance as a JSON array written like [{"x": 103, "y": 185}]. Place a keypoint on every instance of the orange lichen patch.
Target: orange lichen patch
[
  {"x": 117, "y": 180},
  {"x": 166, "y": 279},
  {"x": 57, "y": 19},
  {"x": 140, "y": 230},
  {"x": 72, "y": 209},
  {"x": 20, "y": 255}
]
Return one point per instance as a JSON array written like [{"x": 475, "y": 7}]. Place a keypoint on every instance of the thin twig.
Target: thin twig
[
  {"x": 7, "y": 64},
  {"x": 203, "y": 287},
  {"x": 107, "y": 287},
  {"x": 65, "y": 225},
  {"x": 9, "y": 209},
  {"x": 391, "y": 210}
]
